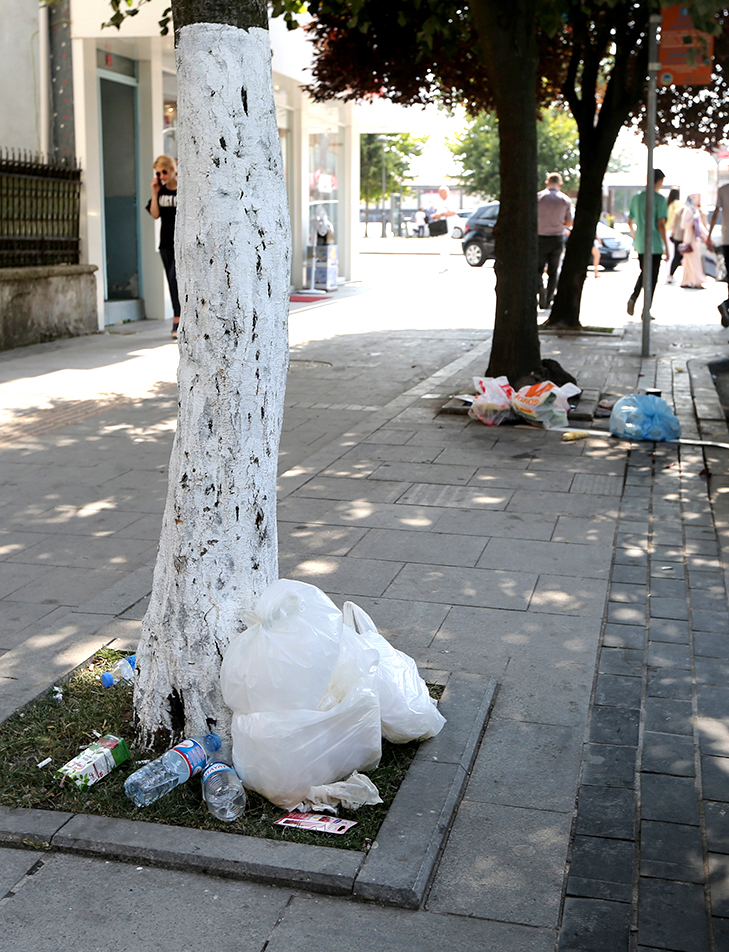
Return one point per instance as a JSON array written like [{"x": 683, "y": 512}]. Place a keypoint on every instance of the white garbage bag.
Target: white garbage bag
[
  {"x": 407, "y": 710},
  {"x": 284, "y": 755},
  {"x": 285, "y": 659},
  {"x": 354, "y": 792}
]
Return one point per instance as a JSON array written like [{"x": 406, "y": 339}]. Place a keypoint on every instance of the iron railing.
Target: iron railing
[{"x": 39, "y": 210}]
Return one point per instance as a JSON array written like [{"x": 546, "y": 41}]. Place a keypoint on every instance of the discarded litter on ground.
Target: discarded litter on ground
[
  {"x": 95, "y": 762},
  {"x": 644, "y": 416},
  {"x": 316, "y": 821}
]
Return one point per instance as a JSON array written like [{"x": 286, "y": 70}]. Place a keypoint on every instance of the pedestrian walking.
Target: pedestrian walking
[
  {"x": 445, "y": 213},
  {"x": 554, "y": 219},
  {"x": 674, "y": 229},
  {"x": 659, "y": 246},
  {"x": 695, "y": 238},
  {"x": 722, "y": 208},
  {"x": 163, "y": 206}
]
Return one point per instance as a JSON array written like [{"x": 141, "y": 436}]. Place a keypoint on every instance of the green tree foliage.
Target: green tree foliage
[
  {"x": 477, "y": 151},
  {"x": 399, "y": 149}
]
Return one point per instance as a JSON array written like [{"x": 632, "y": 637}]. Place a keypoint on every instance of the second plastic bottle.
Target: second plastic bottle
[{"x": 175, "y": 766}]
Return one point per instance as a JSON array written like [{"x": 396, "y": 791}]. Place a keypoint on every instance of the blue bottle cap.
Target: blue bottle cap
[
  {"x": 132, "y": 659},
  {"x": 107, "y": 680},
  {"x": 213, "y": 741}
]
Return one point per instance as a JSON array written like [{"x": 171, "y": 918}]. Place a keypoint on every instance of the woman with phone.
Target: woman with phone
[{"x": 163, "y": 205}]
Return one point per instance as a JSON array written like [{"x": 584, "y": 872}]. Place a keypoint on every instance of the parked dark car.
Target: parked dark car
[
  {"x": 478, "y": 235},
  {"x": 478, "y": 239}
]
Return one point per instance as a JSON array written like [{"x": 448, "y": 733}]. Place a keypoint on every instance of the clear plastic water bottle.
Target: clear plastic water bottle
[
  {"x": 223, "y": 792},
  {"x": 175, "y": 766},
  {"x": 123, "y": 670}
]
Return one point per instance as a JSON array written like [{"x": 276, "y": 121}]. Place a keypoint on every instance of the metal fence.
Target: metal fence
[{"x": 39, "y": 211}]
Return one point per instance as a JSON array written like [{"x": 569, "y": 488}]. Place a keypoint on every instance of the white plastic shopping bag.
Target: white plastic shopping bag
[
  {"x": 285, "y": 659},
  {"x": 545, "y": 404},
  {"x": 284, "y": 755},
  {"x": 492, "y": 404},
  {"x": 407, "y": 710}
]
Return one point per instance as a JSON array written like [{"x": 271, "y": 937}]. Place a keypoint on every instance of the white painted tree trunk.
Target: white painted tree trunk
[{"x": 218, "y": 548}]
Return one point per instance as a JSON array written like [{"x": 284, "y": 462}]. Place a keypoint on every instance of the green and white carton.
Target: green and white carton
[{"x": 95, "y": 762}]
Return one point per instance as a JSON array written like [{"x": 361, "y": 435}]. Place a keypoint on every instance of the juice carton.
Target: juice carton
[{"x": 95, "y": 762}]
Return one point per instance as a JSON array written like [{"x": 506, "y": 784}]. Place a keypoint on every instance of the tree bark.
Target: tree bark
[
  {"x": 218, "y": 548},
  {"x": 507, "y": 36},
  {"x": 598, "y": 130}
]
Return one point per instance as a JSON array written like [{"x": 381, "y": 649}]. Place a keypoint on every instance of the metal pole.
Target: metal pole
[
  {"x": 653, "y": 67},
  {"x": 383, "y": 140}
]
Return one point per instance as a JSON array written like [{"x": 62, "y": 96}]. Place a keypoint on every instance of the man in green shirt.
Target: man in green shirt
[{"x": 659, "y": 249}]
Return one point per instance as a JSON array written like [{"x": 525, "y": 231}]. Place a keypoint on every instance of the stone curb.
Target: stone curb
[{"x": 397, "y": 872}]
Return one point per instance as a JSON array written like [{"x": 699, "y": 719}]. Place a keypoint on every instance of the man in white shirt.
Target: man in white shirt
[
  {"x": 554, "y": 219},
  {"x": 444, "y": 210}
]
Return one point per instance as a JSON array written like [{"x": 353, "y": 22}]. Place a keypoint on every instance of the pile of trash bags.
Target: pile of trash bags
[
  {"x": 542, "y": 404},
  {"x": 313, "y": 690}
]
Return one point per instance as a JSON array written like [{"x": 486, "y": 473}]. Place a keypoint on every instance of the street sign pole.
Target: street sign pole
[{"x": 653, "y": 68}]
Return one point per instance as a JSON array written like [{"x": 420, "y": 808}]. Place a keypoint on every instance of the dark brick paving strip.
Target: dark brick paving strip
[{"x": 649, "y": 865}]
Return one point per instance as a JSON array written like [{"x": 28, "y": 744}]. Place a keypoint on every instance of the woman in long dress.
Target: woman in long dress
[{"x": 695, "y": 234}]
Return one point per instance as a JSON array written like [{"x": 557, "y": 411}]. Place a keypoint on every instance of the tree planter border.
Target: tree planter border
[{"x": 396, "y": 871}]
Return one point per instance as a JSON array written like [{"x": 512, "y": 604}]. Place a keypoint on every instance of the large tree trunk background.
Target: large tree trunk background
[
  {"x": 218, "y": 548},
  {"x": 507, "y": 36}
]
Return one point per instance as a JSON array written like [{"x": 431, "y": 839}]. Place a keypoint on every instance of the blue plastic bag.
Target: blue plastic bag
[{"x": 643, "y": 416}]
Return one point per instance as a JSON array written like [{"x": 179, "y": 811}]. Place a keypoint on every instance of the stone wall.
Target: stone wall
[{"x": 44, "y": 303}]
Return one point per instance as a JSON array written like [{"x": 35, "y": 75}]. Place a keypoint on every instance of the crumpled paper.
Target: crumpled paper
[{"x": 354, "y": 792}]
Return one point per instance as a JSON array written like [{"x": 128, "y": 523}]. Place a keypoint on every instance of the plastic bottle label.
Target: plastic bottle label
[
  {"x": 214, "y": 768},
  {"x": 193, "y": 754}
]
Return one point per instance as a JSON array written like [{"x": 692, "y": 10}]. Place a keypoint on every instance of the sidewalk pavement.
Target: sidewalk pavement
[{"x": 586, "y": 578}]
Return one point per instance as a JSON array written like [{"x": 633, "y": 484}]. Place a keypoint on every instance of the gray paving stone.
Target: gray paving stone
[
  {"x": 597, "y": 485},
  {"x": 672, "y": 608},
  {"x": 594, "y": 924},
  {"x": 593, "y": 531},
  {"x": 711, "y": 670},
  {"x": 488, "y": 524},
  {"x": 708, "y": 601},
  {"x": 719, "y": 884},
  {"x": 628, "y": 594},
  {"x": 717, "y": 826},
  {"x": 521, "y": 764},
  {"x": 614, "y": 725},
  {"x": 668, "y": 588},
  {"x": 668, "y": 799},
  {"x": 378, "y": 515},
  {"x": 630, "y": 574},
  {"x": 672, "y": 915},
  {"x": 370, "y": 450},
  {"x": 713, "y": 700},
  {"x": 626, "y": 614},
  {"x": 601, "y": 868},
  {"x": 341, "y": 576},
  {"x": 328, "y": 925},
  {"x": 321, "y": 487},
  {"x": 637, "y": 558},
  {"x": 662, "y": 654},
  {"x": 562, "y": 504},
  {"x": 548, "y": 687},
  {"x": 44, "y": 918},
  {"x": 665, "y": 554},
  {"x": 621, "y": 661},
  {"x": 15, "y": 864},
  {"x": 471, "y": 879},
  {"x": 298, "y": 539},
  {"x": 435, "y": 548},
  {"x": 554, "y": 558},
  {"x": 457, "y": 586},
  {"x": 673, "y": 570},
  {"x": 668, "y": 754},
  {"x": 456, "y": 497},
  {"x": 669, "y": 630},
  {"x": 669, "y": 683},
  {"x": 606, "y": 765},
  {"x": 440, "y": 474},
  {"x": 606, "y": 812},
  {"x": 711, "y": 644},
  {"x": 30, "y": 827},
  {"x": 671, "y": 851},
  {"x": 632, "y": 540},
  {"x": 624, "y": 636},
  {"x": 619, "y": 691},
  {"x": 715, "y": 777},
  {"x": 567, "y": 595},
  {"x": 705, "y": 581},
  {"x": 710, "y": 621},
  {"x": 721, "y": 933}
]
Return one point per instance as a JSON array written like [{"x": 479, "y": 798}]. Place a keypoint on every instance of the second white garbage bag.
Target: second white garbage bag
[
  {"x": 283, "y": 755},
  {"x": 407, "y": 710}
]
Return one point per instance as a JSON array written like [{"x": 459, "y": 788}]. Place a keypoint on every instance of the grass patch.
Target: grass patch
[{"x": 59, "y": 729}]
